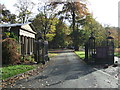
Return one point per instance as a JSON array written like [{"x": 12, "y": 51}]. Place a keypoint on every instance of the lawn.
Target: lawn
[
  {"x": 10, "y": 71},
  {"x": 81, "y": 54},
  {"x": 117, "y": 54},
  {"x": 52, "y": 55}
]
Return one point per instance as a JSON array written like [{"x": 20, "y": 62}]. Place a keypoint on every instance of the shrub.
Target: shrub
[
  {"x": 12, "y": 35},
  {"x": 10, "y": 53},
  {"x": 27, "y": 59}
]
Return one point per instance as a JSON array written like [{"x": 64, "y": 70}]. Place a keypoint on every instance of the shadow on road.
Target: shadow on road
[{"x": 75, "y": 70}]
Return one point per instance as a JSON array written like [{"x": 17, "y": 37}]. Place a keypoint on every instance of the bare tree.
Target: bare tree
[{"x": 24, "y": 8}]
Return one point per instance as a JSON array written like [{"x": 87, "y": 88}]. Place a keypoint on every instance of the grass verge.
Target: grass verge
[
  {"x": 10, "y": 71},
  {"x": 81, "y": 54},
  {"x": 117, "y": 54},
  {"x": 52, "y": 55}
]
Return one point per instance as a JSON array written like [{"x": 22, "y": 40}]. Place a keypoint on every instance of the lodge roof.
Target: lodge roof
[
  {"x": 23, "y": 26},
  {"x": 14, "y": 25}
]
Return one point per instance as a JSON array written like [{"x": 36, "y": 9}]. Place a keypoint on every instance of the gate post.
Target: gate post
[
  {"x": 110, "y": 45},
  {"x": 86, "y": 51},
  {"x": 91, "y": 48}
]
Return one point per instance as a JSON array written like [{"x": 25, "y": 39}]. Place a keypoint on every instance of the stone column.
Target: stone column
[
  {"x": 22, "y": 45},
  {"x": 32, "y": 45},
  {"x": 29, "y": 45},
  {"x": 25, "y": 45}
]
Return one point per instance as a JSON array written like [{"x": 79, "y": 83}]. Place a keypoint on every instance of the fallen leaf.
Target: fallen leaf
[
  {"x": 42, "y": 84},
  {"x": 46, "y": 81}
]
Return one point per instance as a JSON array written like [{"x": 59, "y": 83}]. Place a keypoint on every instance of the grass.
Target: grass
[
  {"x": 81, "y": 54},
  {"x": 10, "y": 71},
  {"x": 52, "y": 55},
  {"x": 117, "y": 54}
]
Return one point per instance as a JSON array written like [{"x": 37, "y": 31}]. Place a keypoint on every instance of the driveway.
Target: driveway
[{"x": 68, "y": 71}]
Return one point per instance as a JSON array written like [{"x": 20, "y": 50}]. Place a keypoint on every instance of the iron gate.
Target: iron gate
[
  {"x": 101, "y": 53},
  {"x": 41, "y": 51}
]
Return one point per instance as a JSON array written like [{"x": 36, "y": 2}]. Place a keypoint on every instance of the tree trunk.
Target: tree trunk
[
  {"x": 73, "y": 20},
  {"x": 74, "y": 32}
]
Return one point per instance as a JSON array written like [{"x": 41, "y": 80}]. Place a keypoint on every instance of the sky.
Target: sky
[
  {"x": 119, "y": 15},
  {"x": 104, "y": 11}
]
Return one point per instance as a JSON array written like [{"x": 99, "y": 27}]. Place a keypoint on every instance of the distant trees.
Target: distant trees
[
  {"x": 6, "y": 15},
  {"x": 62, "y": 36},
  {"x": 46, "y": 26},
  {"x": 61, "y": 23},
  {"x": 55, "y": 31},
  {"x": 91, "y": 25},
  {"x": 73, "y": 11},
  {"x": 24, "y": 8},
  {"x": 45, "y": 21}
]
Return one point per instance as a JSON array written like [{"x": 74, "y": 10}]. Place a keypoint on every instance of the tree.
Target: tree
[
  {"x": 6, "y": 15},
  {"x": 25, "y": 8},
  {"x": 61, "y": 38},
  {"x": 72, "y": 10},
  {"x": 46, "y": 26},
  {"x": 45, "y": 22},
  {"x": 91, "y": 25}
]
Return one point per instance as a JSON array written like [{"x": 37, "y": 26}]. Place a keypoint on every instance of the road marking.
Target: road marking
[{"x": 105, "y": 73}]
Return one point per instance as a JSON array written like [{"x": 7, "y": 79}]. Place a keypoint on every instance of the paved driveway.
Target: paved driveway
[{"x": 68, "y": 71}]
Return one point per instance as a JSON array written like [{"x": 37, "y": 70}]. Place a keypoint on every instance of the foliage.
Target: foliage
[
  {"x": 50, "y": 36},
  {"x": 46, "y": 26},
  {"x": 117, "y": 54},
  {"x": 9, "y": 71},
  {"x": 7, "y": 34},
  {"x": 81, "y": 54},
  {"x": 73, "y": 11},
  {"x": 10, "y": 53},
  {"x": 6, "y": 15},
  {"x": 52, "y": 55},
  {"x": 29, "y": 58},
  {"x": 91, "y": 25},
  {"x": 12, "y": 35},
  {"x": 25, "y": 10},
  {"x": 61, "y": 34}
]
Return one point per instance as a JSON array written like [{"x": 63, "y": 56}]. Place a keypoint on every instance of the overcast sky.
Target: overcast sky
[{"x": 105, "y": 11}]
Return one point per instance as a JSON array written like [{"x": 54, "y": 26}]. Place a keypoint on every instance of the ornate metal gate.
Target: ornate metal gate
[
  {"x": 102, "y": 53},
  {"x": 41, "y": 51}
]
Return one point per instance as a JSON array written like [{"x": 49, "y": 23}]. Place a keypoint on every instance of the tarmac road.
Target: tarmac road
[{"x": 68, "y": 71}]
